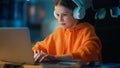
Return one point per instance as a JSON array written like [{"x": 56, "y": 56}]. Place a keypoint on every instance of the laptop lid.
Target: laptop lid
[{"x": 15, "y": 46}]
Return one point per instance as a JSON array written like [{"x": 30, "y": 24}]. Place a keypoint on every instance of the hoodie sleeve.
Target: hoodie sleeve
[
  {"x": 90, "y": 49},
  {"x": 43, "y": 45}
]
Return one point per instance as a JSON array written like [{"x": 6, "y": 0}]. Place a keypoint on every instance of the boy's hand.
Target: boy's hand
[{"x": 41, "y": 56}]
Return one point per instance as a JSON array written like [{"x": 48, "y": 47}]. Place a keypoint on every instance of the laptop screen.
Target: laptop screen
[{"x": 15, "y": 46}]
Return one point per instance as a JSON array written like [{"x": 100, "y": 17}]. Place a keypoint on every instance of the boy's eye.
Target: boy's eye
[
  {"x": 57, "y": 14},
  {"x": 64, "y": 14}
]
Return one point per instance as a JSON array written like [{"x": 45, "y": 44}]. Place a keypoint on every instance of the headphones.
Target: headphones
[{"x": 79, "y": 11}]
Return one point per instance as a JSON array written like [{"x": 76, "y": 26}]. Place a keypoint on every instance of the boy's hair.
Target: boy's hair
[{"x": 66, "y": 3}]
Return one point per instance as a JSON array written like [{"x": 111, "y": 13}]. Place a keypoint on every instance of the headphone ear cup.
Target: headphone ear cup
[
  {"x": 82, "y": 12},
  {"x": 55, "y": 15},
  {"x": 79, "y": 13}
]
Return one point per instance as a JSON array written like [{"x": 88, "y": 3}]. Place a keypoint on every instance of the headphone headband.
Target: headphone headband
[
  {"x": 79, "y": 11},
  {"x": 78, "y": 2}
]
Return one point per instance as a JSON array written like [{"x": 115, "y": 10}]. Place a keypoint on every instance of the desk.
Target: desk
[
  {"x": 61, "y": 64},
  {"x": 102, "y": 65},
  {"x": 74, "y": 65},
  {"x": 106, "y": 65},
  {"x": 110, "y": 65},
  {"x": 65, "y": 64}
]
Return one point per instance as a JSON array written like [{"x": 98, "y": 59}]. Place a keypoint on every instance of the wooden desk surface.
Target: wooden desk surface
[
  {"x": 60, "y": 65},
  {"x": 42, "y": 65}
]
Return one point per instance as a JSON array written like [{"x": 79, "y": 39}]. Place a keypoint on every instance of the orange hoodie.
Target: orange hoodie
[{"x": 81, "y": 42}]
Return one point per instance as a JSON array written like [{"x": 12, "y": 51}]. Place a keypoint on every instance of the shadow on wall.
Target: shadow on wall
[
  {"x": 110, "y": 35},
  {"x": 108, "y": 29}
]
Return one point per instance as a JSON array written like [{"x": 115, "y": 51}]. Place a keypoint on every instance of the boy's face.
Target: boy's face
[{"x": 64, "y": 16}]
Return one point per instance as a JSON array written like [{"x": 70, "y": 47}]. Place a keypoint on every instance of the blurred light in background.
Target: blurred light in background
[
  {"x": 37, "y": 15},
  {"x": 115, "y": 12},
  {"x": 28, "y": 0},
  {"x": 100, "y": 14},
  {"x": 12, "y": 13}
]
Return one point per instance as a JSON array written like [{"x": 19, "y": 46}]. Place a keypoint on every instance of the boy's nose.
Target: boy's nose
[{"x": 60, "y": 18}]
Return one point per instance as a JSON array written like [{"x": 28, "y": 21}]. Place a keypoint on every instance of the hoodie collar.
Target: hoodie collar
[{"x": 76, "y": 27}]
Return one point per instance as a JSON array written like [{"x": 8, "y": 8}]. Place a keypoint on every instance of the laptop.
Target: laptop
[{"x": 15, "y": 46}]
